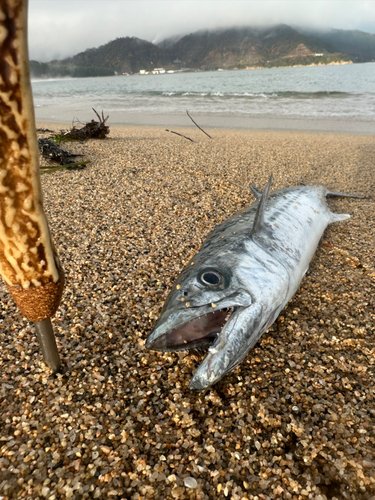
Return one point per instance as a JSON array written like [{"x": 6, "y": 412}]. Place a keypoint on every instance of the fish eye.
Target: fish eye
[{"x": 210, "y": 278}]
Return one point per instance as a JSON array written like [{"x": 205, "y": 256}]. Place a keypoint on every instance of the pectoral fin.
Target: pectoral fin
[{"x": 339, "y": 217}]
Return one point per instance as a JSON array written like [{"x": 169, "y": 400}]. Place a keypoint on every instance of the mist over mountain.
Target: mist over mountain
[
  {"x": 360, "y": 46},
  {"x": 235, "y": 48},
  {"x": 247, "y": 47}
]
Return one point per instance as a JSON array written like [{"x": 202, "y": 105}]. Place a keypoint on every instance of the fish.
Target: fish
[{"x": 247, "y": 270}]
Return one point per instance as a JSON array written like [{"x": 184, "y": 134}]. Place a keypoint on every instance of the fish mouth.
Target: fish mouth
[{"x": 199, "y": 333}]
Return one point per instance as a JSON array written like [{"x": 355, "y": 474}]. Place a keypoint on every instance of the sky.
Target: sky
[{"x": 62, "y": 28}]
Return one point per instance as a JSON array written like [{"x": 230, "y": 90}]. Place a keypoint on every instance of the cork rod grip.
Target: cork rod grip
[{"x": 29, "y": 263}]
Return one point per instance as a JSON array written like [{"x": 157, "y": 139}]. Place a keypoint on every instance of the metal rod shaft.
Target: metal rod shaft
[{"x": 48, "y": 345}]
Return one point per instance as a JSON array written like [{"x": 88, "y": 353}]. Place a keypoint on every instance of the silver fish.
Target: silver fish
[{"x": 249, "y": 267}]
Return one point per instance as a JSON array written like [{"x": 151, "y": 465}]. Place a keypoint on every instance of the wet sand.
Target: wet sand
[
  {"x": 295, "y": 420},
  {"x": 337, "y": 125}
]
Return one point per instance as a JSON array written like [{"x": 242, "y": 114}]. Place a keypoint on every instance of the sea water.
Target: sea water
[{"x": 341, "y": 92}]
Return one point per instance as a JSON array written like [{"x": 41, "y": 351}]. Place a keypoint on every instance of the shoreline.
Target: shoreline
[
  {"x": 200, "y": 70},
  {"x": 333, "y": 63},
  {"x": 222, "y": 122}
]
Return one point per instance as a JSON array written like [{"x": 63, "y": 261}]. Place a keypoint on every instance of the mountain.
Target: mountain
[
  {"x": 123, "y": 55},
  {"x": 360, "y": 46},
  {"x": 243, "y": 47},
  {"x": 278, "y": 45}
]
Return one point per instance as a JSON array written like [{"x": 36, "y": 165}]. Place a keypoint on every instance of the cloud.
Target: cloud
[{"x": 60, "y": 28}]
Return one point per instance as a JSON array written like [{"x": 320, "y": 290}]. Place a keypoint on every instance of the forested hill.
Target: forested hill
[{"x": 219, "y": 49}]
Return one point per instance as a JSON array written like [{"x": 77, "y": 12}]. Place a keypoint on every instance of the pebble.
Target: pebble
[
  {"x": 190, "y": 482},
  {"x": 120, "y": 421}
]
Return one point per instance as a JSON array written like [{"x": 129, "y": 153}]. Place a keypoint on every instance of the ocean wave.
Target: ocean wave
[
  {"x": 314, "y": 95},
  {"x": 48, "y": 80},
  {"x": 256, "y": 95}
]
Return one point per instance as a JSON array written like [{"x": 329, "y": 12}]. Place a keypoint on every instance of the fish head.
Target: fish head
[{"x": 209, "y": 307}]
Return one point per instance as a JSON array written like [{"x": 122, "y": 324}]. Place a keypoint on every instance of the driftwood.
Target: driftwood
[
  {"x": 196, "y": 124},
  {"x": 92, "y": 130},
  {"x": 50, "y": 150},
  {"x": 186, "y": 137},
  {"x": 181, "y": 135}
]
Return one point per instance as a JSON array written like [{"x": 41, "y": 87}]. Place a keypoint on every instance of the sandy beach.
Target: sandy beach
[
  {"x": 294, "y": 421},
  {"x": 336, "y": 124}
]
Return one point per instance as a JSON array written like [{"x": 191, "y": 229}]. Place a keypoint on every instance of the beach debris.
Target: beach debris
[
  {"x": 181, "y": 135},
  {"x": 29, "y": 263},
  {"x": 185, "y": 136},
  {"x": 92, "y": 130},
  {"x": 44, "y": 130},
  {"x": 250, "y": 266},
  {"x": 196, "y": 124},
  {"x": 51, "y": 151}
]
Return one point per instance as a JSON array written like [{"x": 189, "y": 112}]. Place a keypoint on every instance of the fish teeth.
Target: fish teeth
[{"x": 230, "y": 312}]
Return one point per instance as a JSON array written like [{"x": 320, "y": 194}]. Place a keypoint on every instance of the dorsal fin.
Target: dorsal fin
[
  {"x": 255, "y": 191},
  {"x": 259, "y": 216}
]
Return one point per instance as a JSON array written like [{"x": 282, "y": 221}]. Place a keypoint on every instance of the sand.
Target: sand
[
  {"x": 294, "y": 421},
  {"x": 338, "y": 125}
]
